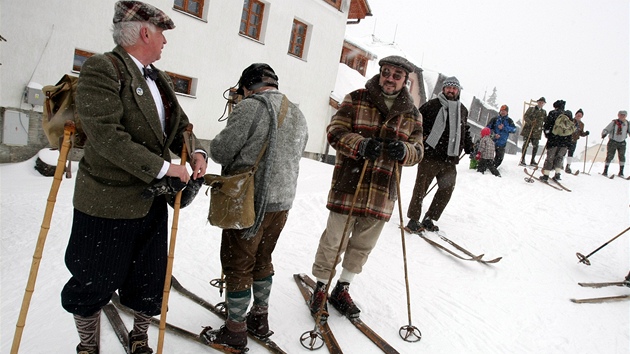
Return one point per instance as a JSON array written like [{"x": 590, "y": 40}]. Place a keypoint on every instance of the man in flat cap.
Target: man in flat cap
[
  {"x": 374, "y": 130},
  {"x": 133, "y": 123},
  {"x": 446, "y": 134},
  {"x": 534, "y": 118}
]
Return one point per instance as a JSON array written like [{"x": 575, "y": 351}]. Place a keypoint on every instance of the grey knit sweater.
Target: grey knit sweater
[{"x": 237, "y": 146}]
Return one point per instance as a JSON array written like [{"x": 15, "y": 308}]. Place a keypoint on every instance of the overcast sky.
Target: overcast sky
[{"x": 576, "y": 50}]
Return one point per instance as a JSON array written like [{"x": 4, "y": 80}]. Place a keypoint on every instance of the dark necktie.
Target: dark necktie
[{"x": 150, "y": 73}]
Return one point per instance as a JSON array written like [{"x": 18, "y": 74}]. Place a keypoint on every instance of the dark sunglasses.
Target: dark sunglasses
[{"x": 395, "y": 75}]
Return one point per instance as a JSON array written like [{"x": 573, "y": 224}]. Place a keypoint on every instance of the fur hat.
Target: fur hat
[
  {"x": 398, "y": 61},
  {"x": 254, "y": 74},
  {"x": 138, "y": 11},
  {"x": 504, "y": 108},
  {"x": 485, "y": 131},
  {"x": 559, "y": 104},
  {"x": 451, "y": 81},
  {"x": 542, "y": 99}
]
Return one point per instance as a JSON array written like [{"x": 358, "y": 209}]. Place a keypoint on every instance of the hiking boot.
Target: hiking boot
[
  {"x": 429, "y": 225},
  {"x": 166, "y": 185},
  {"x": 533, "y": 163},
  {"x": 224, "y": 336},
  {"x": 258, "y": 325},
  {"x": 414, "y": 225},
  {"x": 556, "y": 177},
  {"x": 319, "y": 297},
  {"x": 522, "y": 163},
  {"x": 568, "y": 169},
  {"x": 86, "y": 350},
  {"x": 341, "y": 300},
  {"x": 138, "y": 344},
  {"x": 188, "y": 194},
  {"x": 544, "y": 178}
]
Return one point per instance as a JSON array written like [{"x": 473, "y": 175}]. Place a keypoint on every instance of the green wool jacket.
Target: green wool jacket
[
  {"x": 534, "y": 119},
  {"x": 125, "y": 147},
  {"x": 364, "y": 114}
]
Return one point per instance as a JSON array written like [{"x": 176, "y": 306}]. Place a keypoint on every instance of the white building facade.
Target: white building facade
[{"x": 214, "y": 40}]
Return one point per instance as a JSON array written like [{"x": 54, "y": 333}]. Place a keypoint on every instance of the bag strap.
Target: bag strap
[
  {"x": 284, "y": 108},
  {"x": 121, "y": 78}
]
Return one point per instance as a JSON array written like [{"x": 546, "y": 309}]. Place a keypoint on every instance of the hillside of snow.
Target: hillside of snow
[{"x": 518, "y": 305}]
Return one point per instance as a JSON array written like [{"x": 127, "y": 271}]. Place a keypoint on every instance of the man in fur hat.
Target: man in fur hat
[{"x": 375, "y": 129}]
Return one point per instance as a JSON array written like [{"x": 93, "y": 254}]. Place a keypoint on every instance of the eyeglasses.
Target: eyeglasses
[{"x": 395, "y": 75}]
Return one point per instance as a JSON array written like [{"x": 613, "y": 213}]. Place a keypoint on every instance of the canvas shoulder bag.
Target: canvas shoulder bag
[{"x": 232, "y": 197}]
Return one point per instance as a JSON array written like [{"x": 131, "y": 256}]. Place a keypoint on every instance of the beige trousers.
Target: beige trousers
[{"x": 363, "y": 234}]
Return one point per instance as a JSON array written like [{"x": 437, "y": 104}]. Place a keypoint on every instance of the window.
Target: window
[
  {"x": 298, "y": 38},
  {"x": 193, "y": 7},
  {"x": 355, "y": 57},
  {"x": 334, "y": 3},
  {"x": 183, "y": 84},
  {"x": 80, "y": 56},
  {"x": 252, "y": 18}
]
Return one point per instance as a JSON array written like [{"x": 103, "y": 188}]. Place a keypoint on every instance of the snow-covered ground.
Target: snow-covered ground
[{"x": 519, "y": 305}]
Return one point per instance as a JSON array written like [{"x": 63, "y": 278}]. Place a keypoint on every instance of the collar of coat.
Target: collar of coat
[{"x": 402, "y": 104}]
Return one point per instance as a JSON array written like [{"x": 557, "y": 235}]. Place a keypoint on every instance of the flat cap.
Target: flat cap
[
  {"x": 398, "y": 61},
  {"x": 138, "y": 11}
]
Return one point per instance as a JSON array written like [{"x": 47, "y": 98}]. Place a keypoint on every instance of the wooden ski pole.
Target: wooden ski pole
[
  {"x": 408, "y": 333},
  {"x": 68, "y": 131},
  {"x": 585, "y": 150},
  {"x": 526, "y": 145},
  {"x": 171, "y": 251},
  {"x": 313, "y": 334},
  {"x": 595, "y": 158},
  {"x": 584, "y": 259}
]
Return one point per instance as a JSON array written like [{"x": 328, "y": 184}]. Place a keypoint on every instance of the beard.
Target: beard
[{"x": 451, "y": 96}]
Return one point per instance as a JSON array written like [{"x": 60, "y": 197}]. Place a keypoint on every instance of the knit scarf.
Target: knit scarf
[
  {"x": 619, "y": 126},
  {"x": 450, "y": 110},
  {"x": 260, "y": 203}
]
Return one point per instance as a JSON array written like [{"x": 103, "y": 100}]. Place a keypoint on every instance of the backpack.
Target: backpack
[
  {"x": 59, "y": 107},
  {"x": 563, "y": 126}
]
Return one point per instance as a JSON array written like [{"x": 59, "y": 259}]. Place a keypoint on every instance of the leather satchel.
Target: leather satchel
[{"x": 232, "y": 197}]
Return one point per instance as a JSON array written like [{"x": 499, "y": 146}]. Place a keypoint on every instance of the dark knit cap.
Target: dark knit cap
[
  {"x": 125, "y": 11},
  {"x": 579, "y": 111},
  {"x": 568, "y": 114},
  {"x": 398, "y": 61},
  {"x": 542, "y": 99},
  {"x": 254, "y": 74}
]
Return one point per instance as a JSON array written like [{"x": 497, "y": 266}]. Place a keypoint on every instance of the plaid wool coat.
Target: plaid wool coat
[{"x": 364, "y": 114}]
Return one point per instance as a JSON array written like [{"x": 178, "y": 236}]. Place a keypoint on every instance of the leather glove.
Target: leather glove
[
  {"x": 587, "y": 132},
  {"x": 604, "y": 135},
  {"x": 370, "y": 148},
  {"x": 396, "y": 150}
]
